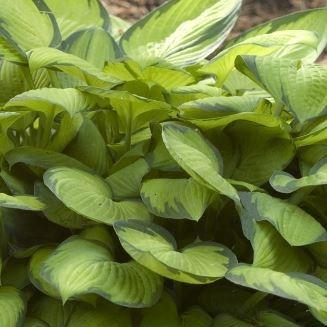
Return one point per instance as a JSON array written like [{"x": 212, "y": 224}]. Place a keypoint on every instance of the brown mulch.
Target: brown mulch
[{"x": 253, "y": 12}]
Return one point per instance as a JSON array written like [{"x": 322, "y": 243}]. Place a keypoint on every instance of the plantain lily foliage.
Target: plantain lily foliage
[{"x": 149, "y": 180}]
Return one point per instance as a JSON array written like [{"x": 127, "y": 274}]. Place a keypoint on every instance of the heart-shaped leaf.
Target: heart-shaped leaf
[
  {"x": 155, "y": 248},
  {"x": 79, "y": 266}
]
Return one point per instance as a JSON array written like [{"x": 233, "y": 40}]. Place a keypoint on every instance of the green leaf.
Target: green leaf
[
  {"x": 126, "y": 182},
  {"x": 227, "y": 320},
  {"x": 34, "y": 271},
  {"x": 12, "y": 80},
  {"x": 310, "y": 20},
  {"x": 25, "y": 25},
  {"x": 319, "y": 315},
  {"x": 301, "y": 88},
  {"x": 196, "y": 317},
  {"x": 12, "y": 306},
  {"x": 246, "y": 158},
  {"x": 135, "y": 112},
  {"x": 14, "y": 273},
  {"x": 100, "y": 233},
  {"x": 89, "y": 148},
  {"x": 50, "y": 310},
  {"x": 57, "y": 212},
  {"x": 285, "y": 183},
  {"x": 176, "y": 198},
  {"x": 199, "y": 158},
  {"x": 72, "y": 16},
  {"x": 167, "y": 78},
  {"x": 219, "y": 106},
  {"x": 165, "y": 313},
  {"x": 295, "y": 225},
  {"x": 155, "y": 248},
  {"x": 34, "y": 322},
  {"x": 94, "y": 45},
  {"x": 90, "y": 196},
  {"x": 72, "y": 65},
  {"x": 299, "y": 287},
  {"x": 42, "y": 158},
  {"x": 272, "y": 251},
  {"x": 79, "y": 267},
  {"x": 103, "y": 315},
  {"x": 291, "y": 44},
  {"x": 273, "y": 319},
  {"x": 22, "y": 202},
  {"x": 181, "y": 32},
  {"x": 52, "y": 99},
  {"x": 118, "y": 27}
]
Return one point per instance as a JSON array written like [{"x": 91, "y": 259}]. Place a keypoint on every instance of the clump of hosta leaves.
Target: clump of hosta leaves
[{"x": 143, "y": 185}]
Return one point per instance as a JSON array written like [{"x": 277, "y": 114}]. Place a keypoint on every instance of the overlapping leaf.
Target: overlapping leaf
[
  {"x": 90, "y": 196},
  {"x": 155, "y": 248},
  {"x": 299, "y": 287},
  {"x": 295, "y": 225},
  {"x": 181, "y": 32},
  {"x": 286, "y": 183},
  {"x": 80, "y": 266}
]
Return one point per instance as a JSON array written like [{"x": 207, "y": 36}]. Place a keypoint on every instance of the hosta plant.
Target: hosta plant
[{"x": 149, "y": 180}]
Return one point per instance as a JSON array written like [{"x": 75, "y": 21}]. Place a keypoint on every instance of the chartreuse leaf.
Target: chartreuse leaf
[
  {"x": 181, "y": 32},
  {"x": 89, "y": 148},
  {"x": 42, "y": 158},
  {"x": 57, "y": 212},
  {"x": 34, "y": 271},
  {"x": 23, "y": 202},
  {"x": 72, "y": 16},
  {"x": 299, "y": 287},
  {"x": 90, "y": 196},
  {"x": 176, "y": 198},
  {"x": 79, "y": 266},
  {"x": 155, "y": 248},
  {"x": 295, "y": 225},
  {"x": 285, "y": 183},
  {"x": 25, "y": 25},
  {"x": 118, "y": 27},
  {"x": 165, "y": 313},
  {"x": 12, "y": 306},
  {"x": 70, "y": 64},
  {"x": 309, "y": 20},
  {"x": 49, "y": 99},
  {"x": 95, "y": 45},
  {"x": 319, "y": 315},
  {"x": 126, "y": 182},
  {"x": 199, "y": 158},
  {"x": 300, "y": 87},
  {"x": 291, "y": 44},
  {"x": 168, "y": 78},
  {"x": 219, "y": 106},
  {"x": 272, "y": 251},
  {"x": 135, "y": 112},
  {"x": 99, "y": 233}
]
